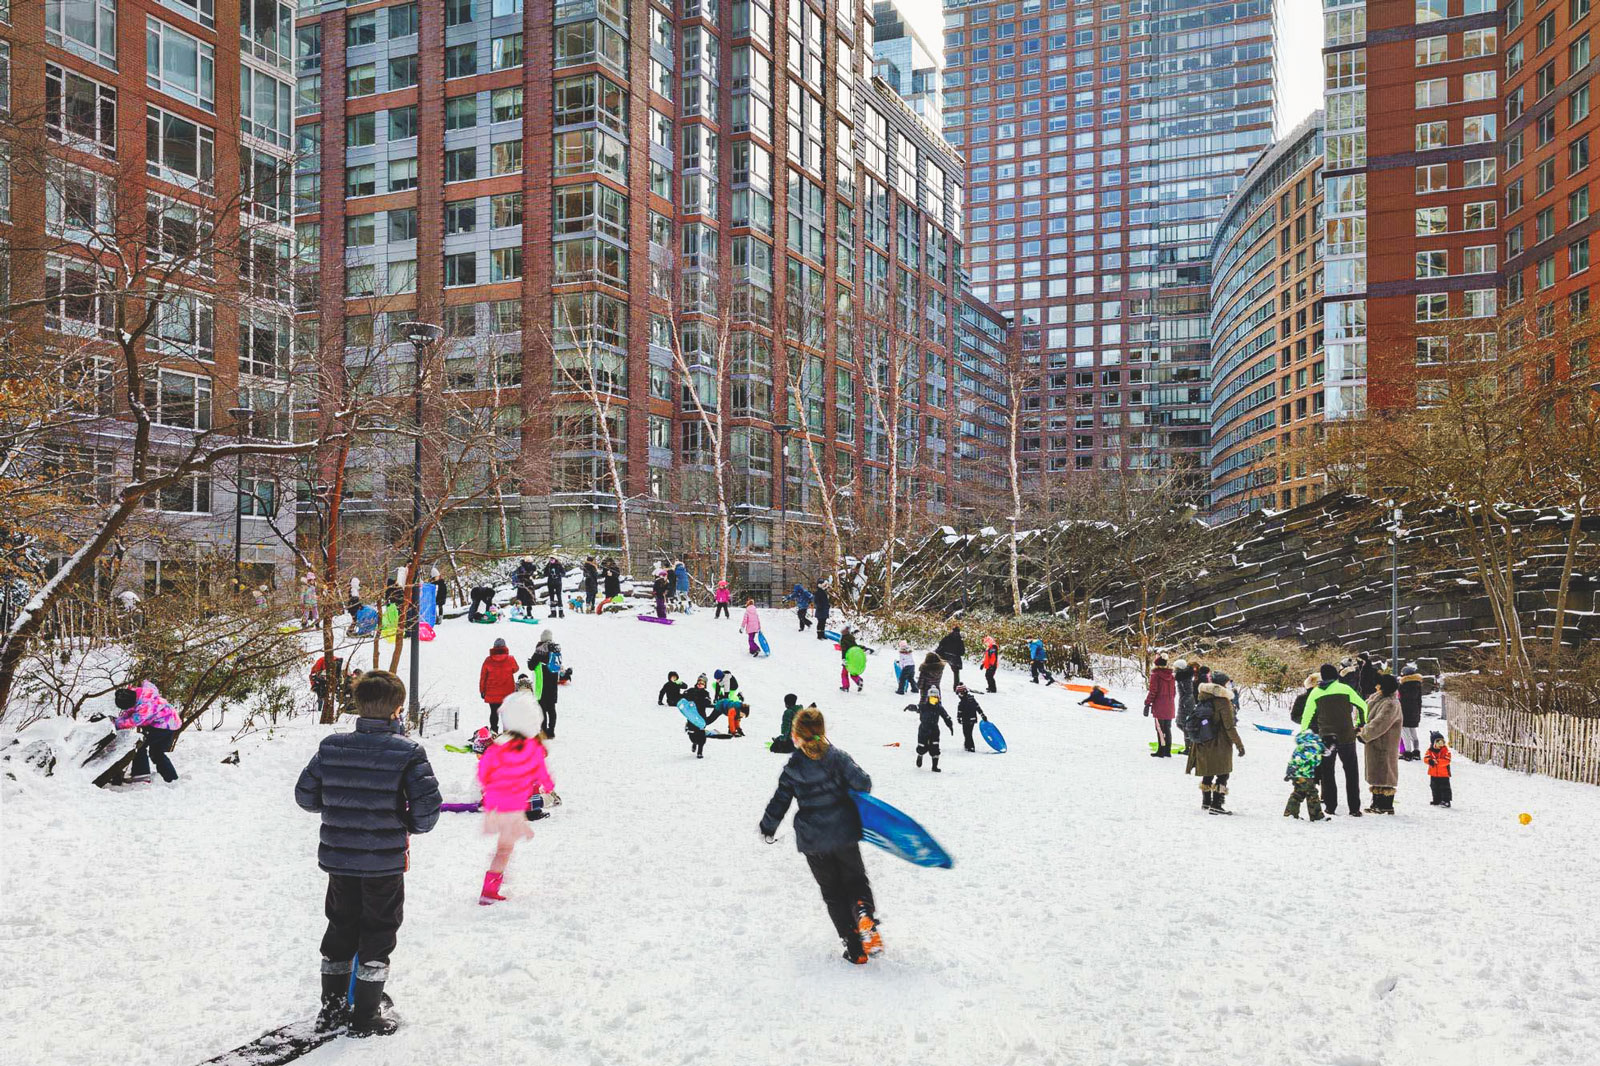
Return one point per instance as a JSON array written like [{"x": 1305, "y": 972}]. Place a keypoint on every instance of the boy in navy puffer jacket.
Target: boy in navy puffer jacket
[{"x": 373, "y": 788}]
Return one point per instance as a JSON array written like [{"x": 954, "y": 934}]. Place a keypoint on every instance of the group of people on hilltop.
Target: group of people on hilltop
[{"x": 1356, "y": 701}]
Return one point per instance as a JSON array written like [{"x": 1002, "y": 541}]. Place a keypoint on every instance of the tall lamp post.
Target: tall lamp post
[
  {"x": 241, "y": 422},
  {"x": 783, "y": 429},
  {"x": 423, "y": 336}
]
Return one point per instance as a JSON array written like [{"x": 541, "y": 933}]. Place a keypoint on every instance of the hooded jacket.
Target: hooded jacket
[
  {"x": 497, "y": 678},
  {"x": 951, "y": 645},
  {"x": 1215, "y": 756},
  {"x": 591, "y": 578},
  {"x": 1438, "y": 760},
  {"x": 511, "y": 771},
  {"x": 149, "y": 711},
  {"x": 827, "y": 819},
  {"x": 1334, "y": 709},
  {"x": 1381, "y": 734},
  {"x": 751, "y": 622},
  {"x": 723, "y": 593},
  {"x": 372, "y": 787},
  {"x": 613, "y": 580},
  {"x": 800, "y": 596},
  {"x": 967, "y": 709},
  {"x": 671, "y": 693},
  {"x": 1160, "y": 699},
  {"x": 680, "y": 575},
  {"x": 554, "y": 572},
  {"x": 991, "y": 656},
  {"x": 1411, "y": 700},
  {"x": 819, "y": 599},
  {"x": 1036, "y": 651}
]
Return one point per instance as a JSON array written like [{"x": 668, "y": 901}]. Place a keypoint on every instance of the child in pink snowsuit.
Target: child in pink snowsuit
[
  {"x": 751, "y": 625},
  {"x": 723, "y": 596},
  {"x": 511, "y": 771}
]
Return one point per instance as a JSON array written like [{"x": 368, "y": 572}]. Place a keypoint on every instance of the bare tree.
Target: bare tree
[{"x": 707, "y": 395}]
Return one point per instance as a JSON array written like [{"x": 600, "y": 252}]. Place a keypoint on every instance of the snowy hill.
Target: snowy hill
[{"x": 1094, "y": 913}]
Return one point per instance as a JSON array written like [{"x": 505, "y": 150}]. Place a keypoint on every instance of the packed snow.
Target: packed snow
[{"x": 1094, "y": 913}]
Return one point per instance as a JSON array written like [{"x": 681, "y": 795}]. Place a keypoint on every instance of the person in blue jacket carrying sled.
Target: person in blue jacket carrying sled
[
  {"x": 1036, "y": 662},
  {"x": 827, "y": 830}
]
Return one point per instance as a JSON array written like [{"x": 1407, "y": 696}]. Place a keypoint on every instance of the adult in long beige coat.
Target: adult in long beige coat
[
  {"x": 1381, "y": 735},
  {"x": 1213, "y": 760}
]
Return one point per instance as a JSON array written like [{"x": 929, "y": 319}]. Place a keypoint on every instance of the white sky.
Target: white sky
[{"x": 1299, "y": 50}]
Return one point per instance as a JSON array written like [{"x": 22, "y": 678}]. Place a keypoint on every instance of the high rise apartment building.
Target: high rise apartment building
[
  {"x": 1411, "y": 192},
  {"x": 144, "y": 147},
  {"x": 611, "y": 193},
  {"x": 1102, "y": 142},
  {"x": 906, "y": 64},
  {"x": 1266, "y": 330}
]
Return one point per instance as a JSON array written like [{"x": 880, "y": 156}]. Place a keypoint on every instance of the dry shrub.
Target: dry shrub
[
  {"x": 923, "y": 630},
  {"x": 1268, "y": 665}
]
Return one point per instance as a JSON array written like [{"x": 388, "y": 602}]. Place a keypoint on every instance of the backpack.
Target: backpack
[
  {"x": 555, "y": 660},
  {"x": 1202, "y": 726}
]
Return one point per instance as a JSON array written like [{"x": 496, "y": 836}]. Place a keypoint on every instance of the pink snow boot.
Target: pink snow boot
[{"x": 491, "y": 889}]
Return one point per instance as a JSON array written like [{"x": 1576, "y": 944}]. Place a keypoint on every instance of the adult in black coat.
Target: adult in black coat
[
  {"x": 1410, "y": 712},
  {"x": 522, "y": 580},
  {"x": 373, "y": 787},
  {"x": 951, "y": 648},
  {"x": 549, "y": 681},
  {"x": 822, "y": 605},
  {"x": 591, "y": 583},
  {"x": 612, "y": 577},
  {"x": 554, "y": 573},
  {"x": 482, "y": 602},
  {"x": 827, "y": 829}
]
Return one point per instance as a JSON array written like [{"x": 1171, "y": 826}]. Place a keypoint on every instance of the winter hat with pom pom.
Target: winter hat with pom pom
[{"x": 520, "y": 714}]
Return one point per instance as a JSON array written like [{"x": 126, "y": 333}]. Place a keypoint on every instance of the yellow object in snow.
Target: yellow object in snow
[{"x": 1524, "y": 817}]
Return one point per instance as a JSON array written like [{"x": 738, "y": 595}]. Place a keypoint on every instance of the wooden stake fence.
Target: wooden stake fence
[{"x": 1563, "y": 746}]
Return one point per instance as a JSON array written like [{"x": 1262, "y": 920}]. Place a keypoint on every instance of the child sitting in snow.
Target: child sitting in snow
[
  {"x": 1438, "y": 759},
  {"x": 1097, "y": 697},
  {"x": 783, "y": 743},
  {"x": 1303, "y": 764},
  {"x": 727, "y": 699},
  {"x": 511, "y": 771}
]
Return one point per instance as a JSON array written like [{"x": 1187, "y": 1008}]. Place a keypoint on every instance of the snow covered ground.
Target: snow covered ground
[{"x": 1094, "y": 913}]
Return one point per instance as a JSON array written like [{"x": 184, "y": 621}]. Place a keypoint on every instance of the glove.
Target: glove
[
  {"x": 1147, "y": 712},
  {"x": 1241, "y": 751}
]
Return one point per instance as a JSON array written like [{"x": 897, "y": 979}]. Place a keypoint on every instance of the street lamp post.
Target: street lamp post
[
  {"x": 423, "y": 336},
  {"x": 783, "y": 429},
  {"x": 241, "y": 422}
]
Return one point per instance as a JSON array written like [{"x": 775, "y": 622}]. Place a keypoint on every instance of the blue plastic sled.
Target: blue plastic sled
[
  {"x": 991, "y": 736},
  {"x": 831, "y": 634},
  {"x": 761, "y": 642},
  {"x": 897, "y": 833},
  {"x": 1274, "y": 729},
  {"x": 428, "y": 603},
  {"x": 691, "y": 712}
]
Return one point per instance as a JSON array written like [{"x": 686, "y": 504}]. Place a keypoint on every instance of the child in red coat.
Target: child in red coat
[
  {"x": 1438, "y": 760},
  {"x": 497, "y": 679}
]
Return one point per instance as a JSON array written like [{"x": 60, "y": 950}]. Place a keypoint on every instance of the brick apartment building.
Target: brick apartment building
[
  {"x": 600, "y": 182},
  {"x": 1266, "y": 329},
  {"x": 146, "y": 130}
]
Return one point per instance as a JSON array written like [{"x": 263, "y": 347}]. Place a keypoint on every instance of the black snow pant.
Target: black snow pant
[
  {"x": 1440, "y": 786},
  {"x": 954, "y": 663},
  {"x": 157, "y": 742},
  {"x": 928, "y": 744},
  {"x": 967, "y": 725},
  {"x": 843, "y": 880},
  {"x": 805, "y": 622},
  {"x": 549, "y": 710},
  {"x": 552, "y": 592},
  {"x": 697, "y": 741},
  {"x": 1163, "y": 737},
  {"x": 494, "y": 716},
  {"x": 364, "y": 915},
  {"x": 1040, "y": 668},
  {"x": 525, "y": 597},
  {"x": 988, "y": 675},
  {"x": 822, "y": 624},
  {"x": 1346, "y": 753},
  {"x": 590, "y": 594},
  {"x": 721, "y": 612}
]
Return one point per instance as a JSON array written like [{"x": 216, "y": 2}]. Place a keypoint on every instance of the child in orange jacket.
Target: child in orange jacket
[
  {"x": 1438, "y": 760},
  {"x": 991, "y": 661}
]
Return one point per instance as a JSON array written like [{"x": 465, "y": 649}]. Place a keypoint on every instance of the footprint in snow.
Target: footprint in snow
[{"x": 1384, "y": 985}]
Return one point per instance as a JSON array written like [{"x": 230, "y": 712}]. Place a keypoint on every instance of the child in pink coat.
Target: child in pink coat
[
  {"x": 723, "y": 596},
  {"x": 511, "y": 771},
  {"x": 750, "y": 625}
]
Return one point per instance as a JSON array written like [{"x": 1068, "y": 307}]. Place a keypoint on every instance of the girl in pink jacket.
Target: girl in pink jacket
[
  {"x": 145, "y": 709},
  {"x": 723, "y": 596},
  {"x": 750, "y": 625},
  {"x": 511, "y": 771}
]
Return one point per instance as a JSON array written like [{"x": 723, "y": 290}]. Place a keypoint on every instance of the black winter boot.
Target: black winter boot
[
  {"x": 1205, "y": 797},
  {"x": 936, "y": 765},
  {"x": 1218, "y": 794},
  {"x": 372, "y": 1016},
  {"x": 335, "y": 1012}
]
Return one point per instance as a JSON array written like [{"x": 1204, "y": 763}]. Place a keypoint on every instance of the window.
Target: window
[
  {"x": 1431, "y": 10},
  {"x": 505, "y": 52},
  {"x": 1578, "y": 205},
  {"x": 402, "y": 123},
  {"x": 86, "y": 28},
  {"x": 1544, "y": 272},
  {"x": 460, "y": 112},
  {"x": 178, "y": 399},
  {"x": 202, "y": 11},
  {"x": 402, "y": 21},
  {"x": 505, "y": 264},
  {"x": 402, "y": 72},
  {"x": 1578, "y": 256},
  {"x": 264, "y": 344},
  {"x": 76, "y": 299},
  {"x": 461, "y": 269},
  {"x": 1578, "y": 54},
  {"x": 1476, "y": 172},
  {"x": 1478, "y": 85},
  {"x": 505, "y": 157},
  {"x": 1434, "y": 92},
  {"x": 79, "y": 112},
  {"x": 178, "y": 150},
  {"x": 402, "y": 174},
  {"x": 505, "y": 210},
  {"x": 1479, "y": 129},
  {"x": 264, "y": 106},
  {"x": 188, "y": 495},
  {"x": 592, "y": 98},
  {"x": 1544, "y": 225},
  {"x": 1578, "y": 154},
  {"x": 402, "y": 224},
  {"x": 1432, "y": 50},
  {"x": 177, "y": 232},
  {"x": 1431, "y": 220},
  {"x": 402, "y": 276},
  {"x": 506, "y": 317},
  {"x": 459, "y": 12},
  {"x": 1431, "y": 135},
  {"x": 1479, "y": 215},
  {"x": 1478, "y": 43},
  {"x": 361, "y": 80},
  {"x": 1480, "y": 259},
  {"x": 360, "y": 130},
  {"x": 360, "y": 30},
  {"x": 1435, "y": 177},
  {"x": 183, "y": 327},
  {"x": 1578, "y": 104},
  {"x": 179, "y": 65},
  {"x": 78, "y": 202},
  {"x": 1431, "y": 265},
  {"x": 505, "y": 105},
  {"x": 461, "y": 164},
  {"x": 1479, "y": 303},
  {"x": 460, "y": 216},
  {"x": 361, "y": 281},
  {"x": 5, "y": 73},
  {"x": 361, "y": 231},
  {"x": 360, "y": 180},
  {"x": 461, "y": 60},
  {"x": 1432, "y": 307}
]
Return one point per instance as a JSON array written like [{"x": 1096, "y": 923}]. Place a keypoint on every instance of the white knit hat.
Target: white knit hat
[{"x": 520, "y": 714}]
